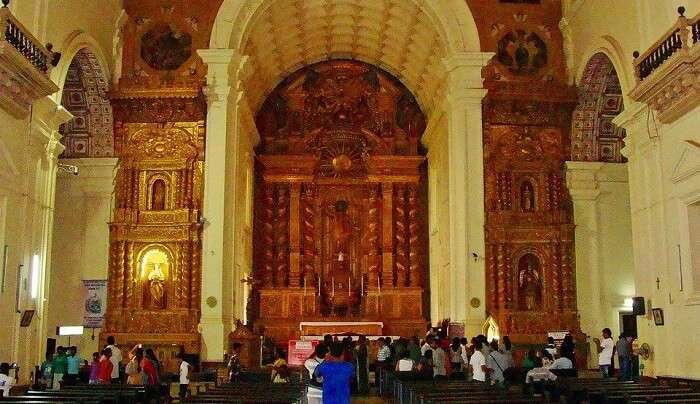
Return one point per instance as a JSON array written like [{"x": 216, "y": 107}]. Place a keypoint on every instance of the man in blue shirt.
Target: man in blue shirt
[
  {"x": 336, "y": 375},
  {"x": 72, "y": 366}
]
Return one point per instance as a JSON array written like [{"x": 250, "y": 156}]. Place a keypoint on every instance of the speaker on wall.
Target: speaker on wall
[{"x": 638, "y": 307}]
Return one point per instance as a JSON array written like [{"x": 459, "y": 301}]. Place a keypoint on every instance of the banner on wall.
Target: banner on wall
[{"x": 95, "y": 302}]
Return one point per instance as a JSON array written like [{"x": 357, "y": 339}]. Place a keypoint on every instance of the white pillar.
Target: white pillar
[
  {"x": 216, "y": 320},
  {"x": 465, "y": 155},
  {"x": 43, "y": 151}
]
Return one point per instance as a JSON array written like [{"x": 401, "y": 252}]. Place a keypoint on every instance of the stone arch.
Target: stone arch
[
  {"x": 84, "y": 94},
  {"x": 418, "y": 37},
  {"x": 594, "y": 137}
]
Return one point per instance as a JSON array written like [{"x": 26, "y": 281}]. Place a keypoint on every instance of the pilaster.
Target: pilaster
[
  {"x": 466, "y": 188},
  {"x": 217, "y": 285}
]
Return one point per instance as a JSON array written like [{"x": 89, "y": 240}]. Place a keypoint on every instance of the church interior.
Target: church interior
[{"x": 188, "y": 173}]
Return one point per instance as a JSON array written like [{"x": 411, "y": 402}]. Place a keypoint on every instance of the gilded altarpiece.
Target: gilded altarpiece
[
  {"x": 155, "y": 233},
  {"x": 530, "y": 268},
  {"x": 340, "y": 202}
]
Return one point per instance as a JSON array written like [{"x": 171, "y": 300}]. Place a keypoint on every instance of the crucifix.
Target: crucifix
[{"x": 658, "y": 281}]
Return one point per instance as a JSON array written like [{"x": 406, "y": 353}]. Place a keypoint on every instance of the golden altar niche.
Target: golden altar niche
[{"x": 340, "y": 210}]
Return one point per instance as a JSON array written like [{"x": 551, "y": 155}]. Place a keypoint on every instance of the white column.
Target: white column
[
  {"x": 583, "y": 188},
  {"x": 43, "y": 151},
  {"x": 466, "y": 180},
  {"x": 215, "y": 322}
]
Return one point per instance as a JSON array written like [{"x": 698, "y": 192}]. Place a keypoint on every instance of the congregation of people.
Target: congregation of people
[
  {"x": 340, "y": 367},
  {"x": 66, "y": 368}
]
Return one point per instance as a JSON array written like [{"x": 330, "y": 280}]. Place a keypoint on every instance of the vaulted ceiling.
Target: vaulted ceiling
[{"x": 396, "y": 35}]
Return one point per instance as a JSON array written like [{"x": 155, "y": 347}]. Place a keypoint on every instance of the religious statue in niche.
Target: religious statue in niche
[
  {"x": 165, "y": 47},
  {"x": 342, "y": 231},
  {"x": 527, "y": 197},
  {"x": 529, "y": 283},
  {"x": 522, "y": 52},
  {"x": 154, "y": 268},
  {"x": 158, "y": 195}
]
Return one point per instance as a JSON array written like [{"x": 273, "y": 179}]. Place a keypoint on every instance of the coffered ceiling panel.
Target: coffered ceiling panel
[{"x": 396, "y": 35}]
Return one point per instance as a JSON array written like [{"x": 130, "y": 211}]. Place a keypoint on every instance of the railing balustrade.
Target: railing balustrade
[
  {"x": 682, "y": 36},
  {"x": 17, "y": 36}
]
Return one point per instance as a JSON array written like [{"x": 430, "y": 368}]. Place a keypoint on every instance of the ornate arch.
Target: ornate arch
[
  {"x": 90, "y": 132},
  {"x": 594, "y": 137}
]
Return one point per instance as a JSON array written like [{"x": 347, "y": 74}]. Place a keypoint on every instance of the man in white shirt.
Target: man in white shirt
[
  {"x": 6, "y": 382},
  {"x": 439, "y": 370},
  {"x": 116, "y": 359},
  {"x": 561, "y": 363},
  {"x": 477, "y": 363},
  {"x": 185, "y": 369},
  {"x": 605, "y": 352},
  {"x": 541, "y": 373},
  {"x": 497, "y": 363},
  {"x": 314, "y": 393},
  {"x": 428, "y": 344}
]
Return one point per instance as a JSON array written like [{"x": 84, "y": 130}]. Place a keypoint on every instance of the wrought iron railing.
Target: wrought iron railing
[
  {"x": 16, "y": 35},
  {"x": 682, "y": 36}
]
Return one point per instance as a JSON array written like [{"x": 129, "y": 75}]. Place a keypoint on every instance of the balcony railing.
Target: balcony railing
[
  {"x": 17, "y": 36},
  {"x": 683, "y": 36}
]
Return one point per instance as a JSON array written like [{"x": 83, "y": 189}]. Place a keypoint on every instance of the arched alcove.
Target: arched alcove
[
  {"x": 90, "y": 132},
  {"x": 594, "y": 137}
]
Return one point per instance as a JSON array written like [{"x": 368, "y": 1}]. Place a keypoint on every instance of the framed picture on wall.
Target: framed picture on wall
[
  {"x": 27, "y": 317},
  {"x": 658, "y": 316}
]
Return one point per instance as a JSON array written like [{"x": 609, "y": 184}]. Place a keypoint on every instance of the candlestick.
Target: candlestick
[
  {"x": 362, "y": 286},
  {"x": 348, "y": 286},
  {"x": 318, "y": 282}
]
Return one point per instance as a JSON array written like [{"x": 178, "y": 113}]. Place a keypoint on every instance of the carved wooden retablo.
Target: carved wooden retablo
[{"x": 340, "y": 202}]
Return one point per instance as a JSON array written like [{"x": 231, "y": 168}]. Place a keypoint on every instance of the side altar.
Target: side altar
[{"x": 340, "y": 203}]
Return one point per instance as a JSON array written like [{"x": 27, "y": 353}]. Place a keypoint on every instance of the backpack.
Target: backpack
[{"x": 316, "y": 380}]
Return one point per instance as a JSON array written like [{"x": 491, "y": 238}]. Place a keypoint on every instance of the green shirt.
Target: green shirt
[
  {"x": 528, "y": 363},
  {"x": 414, "y": 353},
  {"x": 60, "y": 364}
]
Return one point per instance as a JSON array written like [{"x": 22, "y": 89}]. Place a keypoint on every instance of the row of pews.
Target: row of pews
[
  {"x": 403, "y": 389},
  {"x": 83, "y": 394},
  {"x": 253, "y": 392}
]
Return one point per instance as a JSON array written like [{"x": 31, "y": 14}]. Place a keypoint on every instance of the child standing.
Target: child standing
[
  {"x": 94, "y": 368},
  {"x": 185, "y": 369}
]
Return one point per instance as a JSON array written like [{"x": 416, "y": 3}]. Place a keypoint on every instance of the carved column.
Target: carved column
[
  {"x": 466, "y": 191},
  {"x": 415, "y": 256},
  {"x": 268, "y": 241},
  {"x": 373, "y": 238},
  {"x": 294, "y": 235},
  {"x": 387, "y": 233},
  {"x": 400, "y": 236},
  {"x": 308, "y": 239},
  {"x": 282, "y": 236}
]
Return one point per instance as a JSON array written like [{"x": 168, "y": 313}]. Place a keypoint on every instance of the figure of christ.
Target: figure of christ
[{"x": 156, "y": 287}]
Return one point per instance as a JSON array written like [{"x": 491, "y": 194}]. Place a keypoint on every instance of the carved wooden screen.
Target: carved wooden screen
[{"x": 340, "y": 206}]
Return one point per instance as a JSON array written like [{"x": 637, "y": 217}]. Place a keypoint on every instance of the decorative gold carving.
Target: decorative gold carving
[{"x": 339, "y": 169}]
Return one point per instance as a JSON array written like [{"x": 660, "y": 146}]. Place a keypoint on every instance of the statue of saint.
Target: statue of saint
[
  {"x": 527, "y": 197},
  {"x": 342, "y": 231},
  {"x": 529, "y": 285},
  {"x": 156, "y": 287}
]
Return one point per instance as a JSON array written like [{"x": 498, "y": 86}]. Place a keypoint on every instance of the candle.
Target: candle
[
  {"x": 348, "y": 286},
  {"x": 362, "y": 286},
  {"x": 318, "y": 282}
]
